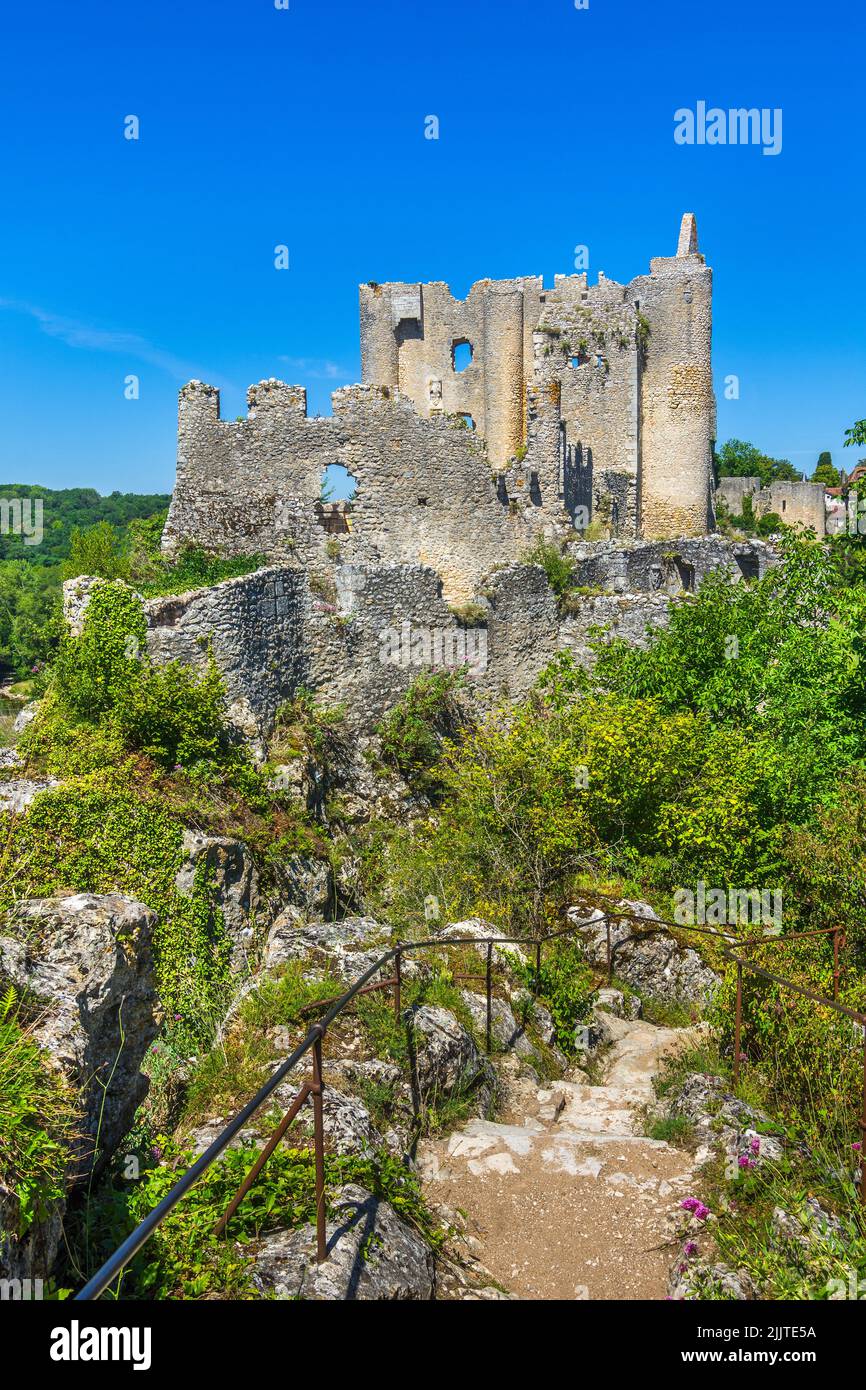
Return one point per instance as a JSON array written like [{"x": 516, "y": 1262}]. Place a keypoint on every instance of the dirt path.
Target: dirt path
[{"x": 564, "y": 1198}]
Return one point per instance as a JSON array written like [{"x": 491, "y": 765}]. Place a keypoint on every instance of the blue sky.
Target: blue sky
[{"x": 305, "y": 126}]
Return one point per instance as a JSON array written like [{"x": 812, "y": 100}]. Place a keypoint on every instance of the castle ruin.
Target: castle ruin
[{"x": 481, "y": 425}]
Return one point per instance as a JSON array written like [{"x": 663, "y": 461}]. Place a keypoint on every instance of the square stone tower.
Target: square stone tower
[{"x": 629, "y": 365}]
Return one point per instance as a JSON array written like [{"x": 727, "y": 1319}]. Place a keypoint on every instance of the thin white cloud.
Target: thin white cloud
[{"x": 84, "y": 335}]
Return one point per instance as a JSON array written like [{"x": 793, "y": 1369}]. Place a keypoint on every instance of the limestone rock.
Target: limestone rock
[
  {"x": 692, "y": 1277},
  {"x": 372, "y": 1255},
  {"x": 655, "y": 964},
  {"x": 231, "y": 872},
  {"x": 32, "y": 1255},
  {"x": 89, "y": 958},
  {"x": 19, "y": 793},
  {"x": 347, "y": 947},
  {"x": 613, "y": 1001},
  {"x": 482, "y": 931},
  {"x": 812, "y": 1225},
  {"x": 504, "y": 1027},
  {"x": 26, "y": 716},
  {"x": 447, "y": 1056}
]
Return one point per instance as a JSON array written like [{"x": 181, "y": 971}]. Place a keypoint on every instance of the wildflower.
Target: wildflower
[
  {"x": 690, "y": 1248},
  {"x": 745, "y": 1162},
  {"x": 857, "y": 1147},
  {"x": 689, "y": 1204},
  {"x": 755, "y": 1145}
]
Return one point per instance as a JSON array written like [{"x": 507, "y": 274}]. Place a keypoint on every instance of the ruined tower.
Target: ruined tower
[{"x": 630, "y": 366}]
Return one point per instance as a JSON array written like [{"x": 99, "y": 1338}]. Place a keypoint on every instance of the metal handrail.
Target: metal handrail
[{"x": 116, "y": 1262}]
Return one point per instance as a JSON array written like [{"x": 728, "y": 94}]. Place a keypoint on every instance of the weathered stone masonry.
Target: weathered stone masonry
[{"x": 581, "y": 403}]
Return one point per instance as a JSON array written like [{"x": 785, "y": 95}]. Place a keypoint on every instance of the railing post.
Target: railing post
[
  {"x": 319, "y": 1144},
  {"x": 738, "y": 1024},
  {"x": 609, "y": 953},
  {"x": 489, "y": 992},
  {"x": 836, "y": 965},
  {"x": 538, "y": 967},
  {"x": 398, "y": 983}
]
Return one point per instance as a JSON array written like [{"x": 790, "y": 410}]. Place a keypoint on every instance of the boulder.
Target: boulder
[
  {"x": 347, "y": 948},
  {"x": 229, "y": 867},
  {"x": 476, "y": 927},
  {"x": 89, "y": 960},
  {"x": 812, "y": 1225},
  {"x": 693, "y": 1277},
  {"x": 718, "y": 1117},
  {"x": 654, "y": 964},
  {"x": 372, "y": 1255},
  {"x": 18, "y": 793},
  {"x": 613, "y": 1001},
  {"x": 345, "y": 1119},
  {"x": 447, "y": 1058},
  {"x": 504, "y": 1028}
]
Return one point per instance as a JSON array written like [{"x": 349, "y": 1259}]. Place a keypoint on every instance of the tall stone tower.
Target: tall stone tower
[
  {"x": 677, "y": 403},
  {"x": 629, "y": 367}
]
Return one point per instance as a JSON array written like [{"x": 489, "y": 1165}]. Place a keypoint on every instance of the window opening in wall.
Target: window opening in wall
[
  {"x": 461, "y": 354},
  {"x": 422, "y": 501},
  {"x": 467, "y": 420},
  {"x": 336, "y": 500},
  {"x": 338, "y": 485}
]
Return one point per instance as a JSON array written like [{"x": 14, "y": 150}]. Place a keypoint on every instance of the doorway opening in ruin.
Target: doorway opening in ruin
[
  {"x": 461, "y": 354},
  {"x": 686, "y": 574},
  {"x": 748, "y": 566}
]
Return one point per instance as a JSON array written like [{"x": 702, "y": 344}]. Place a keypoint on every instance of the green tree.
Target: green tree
[
  {"x": 825, "y": 471},
  {"x": 739, "y": 459}
]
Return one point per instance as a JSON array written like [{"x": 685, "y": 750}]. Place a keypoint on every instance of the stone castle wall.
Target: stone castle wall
[
  {"x": 359, "y": 641},
  {"x": 800, "y": 504},
  {"x": 580, "y": 403}
]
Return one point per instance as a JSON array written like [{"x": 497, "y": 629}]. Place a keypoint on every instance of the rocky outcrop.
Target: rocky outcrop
[
  {"x": 88, "y": 959},
  {"x": 695, "y": 1277},
  {"x": 647, "y": 958},
  {"x": 234, "y": 882},
  {"x": 446, "y": 1056},
  {"x": 718, "y": 1117},
  {"x": 347, "y": 948},
  {"x": 372, "y": 1255},
  {"x": 18, "y": 793}
]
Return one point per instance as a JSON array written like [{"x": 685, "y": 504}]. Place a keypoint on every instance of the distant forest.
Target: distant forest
[{"x": 31, "y": 575}]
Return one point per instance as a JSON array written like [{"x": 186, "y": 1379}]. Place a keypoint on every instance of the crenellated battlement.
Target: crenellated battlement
[{"x": 480, "y": 424}]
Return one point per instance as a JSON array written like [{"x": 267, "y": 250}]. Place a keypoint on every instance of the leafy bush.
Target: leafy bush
[
  {"x": 168, "y": 713},
  {"x": 184, "y": 1259},
  {"x": 558, "y": 566},
  {"x": 38, "y": 1118},
  {"x": 413, "y": 734}
]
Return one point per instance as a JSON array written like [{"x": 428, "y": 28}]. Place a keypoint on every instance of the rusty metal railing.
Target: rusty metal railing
[{"x": 365, "y": 984}]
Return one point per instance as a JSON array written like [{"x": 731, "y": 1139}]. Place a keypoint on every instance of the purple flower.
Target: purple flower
[
  {"x": 856, "y": 1147},
  {"x": 755, "y": 1145},
  {"x": 745, "y": 1162},
  {"x": 696, "y": 1207},
  {"x": 690, "y": 1248}
]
